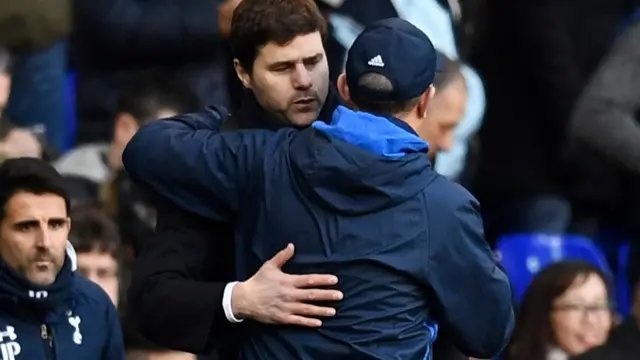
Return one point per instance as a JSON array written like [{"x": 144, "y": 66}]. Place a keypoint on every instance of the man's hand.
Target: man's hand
[{"x": 273, "y": 297}]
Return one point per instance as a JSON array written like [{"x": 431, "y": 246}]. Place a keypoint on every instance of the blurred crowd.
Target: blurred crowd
[{"x": 543, "y": 112}]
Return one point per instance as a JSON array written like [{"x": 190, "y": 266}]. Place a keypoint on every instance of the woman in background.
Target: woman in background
[{"x": 565, "y": 312}]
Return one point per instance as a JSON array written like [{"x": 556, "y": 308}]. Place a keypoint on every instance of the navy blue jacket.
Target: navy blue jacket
[
  {"x": 80, "y": 322},
  {"x": 360, "y": 200}
]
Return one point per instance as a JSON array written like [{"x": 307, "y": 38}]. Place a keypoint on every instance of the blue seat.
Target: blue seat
[
  {"x": 523, "y": 255},
  {"x": 622, "y": 282}
]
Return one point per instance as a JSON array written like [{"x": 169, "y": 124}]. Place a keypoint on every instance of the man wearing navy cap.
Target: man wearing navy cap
[{"x": 359, "y": 199}]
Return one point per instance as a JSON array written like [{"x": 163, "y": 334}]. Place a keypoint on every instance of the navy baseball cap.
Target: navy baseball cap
[{"x": 398, "y": 50}]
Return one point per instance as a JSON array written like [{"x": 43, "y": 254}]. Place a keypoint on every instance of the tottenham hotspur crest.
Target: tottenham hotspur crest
[{"x": 75, "y": 322}]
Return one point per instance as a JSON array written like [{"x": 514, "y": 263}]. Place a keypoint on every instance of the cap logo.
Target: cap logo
[{"x": 376, "y": 61}]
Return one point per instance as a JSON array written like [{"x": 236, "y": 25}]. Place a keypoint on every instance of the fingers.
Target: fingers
[
  {"x": 301, "y": 321},
  {"x": 316, "y": 295},
  {"x": 281, "y": 258},
  {"x": 308, "y": 310},
  {"x": 313, "y": 280}
]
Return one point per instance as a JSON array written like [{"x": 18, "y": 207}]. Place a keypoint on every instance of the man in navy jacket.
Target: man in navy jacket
[
  {"x": 47, "y": 310},
  {"x": 359, "y": 199}
]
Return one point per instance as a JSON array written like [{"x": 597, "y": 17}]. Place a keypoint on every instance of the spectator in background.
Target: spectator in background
[
  {"x": 565, "y": 311},
  {"x": 96, "y": 240},
  {"x": 18, "y": 142},
  {"x": 14, "y": 142},
  {"x": 446, "y": 109},
  {"x": 95, "y": 170},
  {"x": 35, "y": 31},
  {"x": 115, "y": 38},
  {"x": 605, "y": 126},
  {"x": 605, "y": 118},
  {"x": 624, "y": 340}
]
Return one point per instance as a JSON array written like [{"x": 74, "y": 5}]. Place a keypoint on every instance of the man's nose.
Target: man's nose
[
  {"x": 301, "y": 78},
  {"x": 43, "y": 238}
]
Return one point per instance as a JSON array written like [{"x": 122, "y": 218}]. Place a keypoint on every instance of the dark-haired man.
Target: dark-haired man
[
  {"x": 359, "y": 199},
  {"x": 46, "y": 309},
  {"x": 189, "y": 263}
]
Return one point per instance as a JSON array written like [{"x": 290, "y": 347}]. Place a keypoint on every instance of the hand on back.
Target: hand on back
[{"x": 273, "y": 297}]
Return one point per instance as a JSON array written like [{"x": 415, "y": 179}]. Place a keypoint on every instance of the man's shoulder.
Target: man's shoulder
[
  {"x": 209, "y": 113},
  {"x": 445, "y": 194}
]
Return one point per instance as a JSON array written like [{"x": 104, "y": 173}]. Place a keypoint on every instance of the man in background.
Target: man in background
[
  {"x": 14, "y": 142},
  {"x": 95, "y": 238},
  {"x": 94, "y": 171}
]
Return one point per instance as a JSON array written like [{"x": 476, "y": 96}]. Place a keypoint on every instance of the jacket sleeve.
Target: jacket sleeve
[
  {"x": 473, "y": 296},
  {"x": 605, "y": 116},
  {"x": 188, "y": 162},
  {"x": 178, "y": 282},
  {"x": 148, "y": 29},
  {"x": 114, "y": 349}
]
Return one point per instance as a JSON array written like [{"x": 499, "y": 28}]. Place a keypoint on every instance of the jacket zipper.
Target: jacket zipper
[{"x": 47, "y": 337}]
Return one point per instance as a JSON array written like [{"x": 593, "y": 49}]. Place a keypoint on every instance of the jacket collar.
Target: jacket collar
[{"x": 250, "y": 115}]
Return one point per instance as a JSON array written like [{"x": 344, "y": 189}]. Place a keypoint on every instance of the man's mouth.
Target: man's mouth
[{"x": 305, "y": 101}]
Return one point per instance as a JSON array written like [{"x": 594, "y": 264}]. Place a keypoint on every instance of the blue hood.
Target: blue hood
[{"x": 361, "y": 163}]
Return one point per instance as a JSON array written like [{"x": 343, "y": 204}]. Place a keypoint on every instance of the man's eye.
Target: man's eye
[{"x": 26, "y": 227}]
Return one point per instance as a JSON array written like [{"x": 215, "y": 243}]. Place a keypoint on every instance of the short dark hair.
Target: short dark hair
[
  {"x": 151, "y": 91},
  {"x": 30, "y": 175},
  {"x": 6, "y": 61},
  {"x": 533, "y": 331},
  {"x": 377, "y": 82},
  {"x": 92, "y": 229},
  {"x": 258, "y": 22}
]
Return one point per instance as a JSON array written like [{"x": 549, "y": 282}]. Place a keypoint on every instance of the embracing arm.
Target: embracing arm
[{"x": 186, "y": 160}]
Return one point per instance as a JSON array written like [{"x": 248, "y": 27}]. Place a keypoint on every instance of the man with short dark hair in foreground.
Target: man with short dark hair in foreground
[{"x": 359, "y": 199}]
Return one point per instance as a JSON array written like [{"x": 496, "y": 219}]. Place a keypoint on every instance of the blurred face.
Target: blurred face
[
  {"x": 445, "y": 111},
  {"x": 20, "y": 143},
  {"x": 5, "y": 87},
  {"x": 33, "y": 236},
  {"x": 125, "y": 128},
  {"x": 102, "y": 269},
  {"x": 582, "y": 318},
  {"x": 291, "y": 81}
]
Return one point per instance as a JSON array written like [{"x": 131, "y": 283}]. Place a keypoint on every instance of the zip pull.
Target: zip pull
[{"x": 44, "y": 333}]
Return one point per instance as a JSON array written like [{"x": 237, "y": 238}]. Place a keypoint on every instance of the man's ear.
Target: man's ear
[
  {"x": 425, "y": 100},
  {"x": 343, "y": 90},
  {"x": 242, "y": 74}
]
